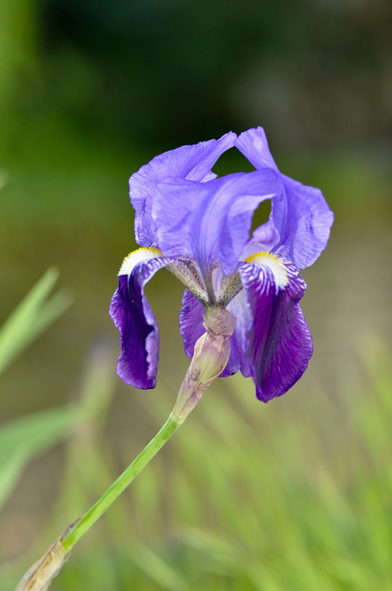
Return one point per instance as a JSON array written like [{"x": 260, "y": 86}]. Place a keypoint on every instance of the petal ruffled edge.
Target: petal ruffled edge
[
  {"x": 304, "y": 223},
  {"x": 280, "y": 343}
]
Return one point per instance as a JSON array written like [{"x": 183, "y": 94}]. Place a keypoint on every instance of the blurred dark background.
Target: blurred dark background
[
  {"x": 91, "y": 90},
  {"x": 317, "y": 73},
  {"x": 167, "y": 73}
]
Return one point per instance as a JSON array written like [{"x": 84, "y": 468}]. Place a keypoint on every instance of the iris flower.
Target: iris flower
[{"x": 198, "y": 227}]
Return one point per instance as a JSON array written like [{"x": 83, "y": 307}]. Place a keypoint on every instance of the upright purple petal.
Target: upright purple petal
[
  {"x": 254, "y": 146},
  {"x": 139, "y": 332},
  {"x": 280, "y": 344},
  {"x": 188, "y": 162},
  {"x": 302, "y": 218},
  {"x": 210, "y": 222},
  {"x": 304, "y": 221}
]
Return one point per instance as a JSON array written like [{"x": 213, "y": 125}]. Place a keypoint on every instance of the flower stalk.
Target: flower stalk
[
  {"x": 119, "y": 485},
  {"x": 211, "y": 355}
]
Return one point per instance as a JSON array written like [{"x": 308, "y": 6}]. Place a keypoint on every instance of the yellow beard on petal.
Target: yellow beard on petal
[
  {"x": 138, "y": 256},
  {"x": 267, "y": 259}
]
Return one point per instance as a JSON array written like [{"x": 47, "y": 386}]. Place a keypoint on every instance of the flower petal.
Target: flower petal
[
  {"x": 239, "y": 340},
  {"x": 132, "y": 315},
  {"x": 302, "y": 218},
  {"x": 191, "y": 321},
  {"x": 254, "y": 146},
  {"x": 188, "y": 162},
  {"x": 210, "y": 222},
  {"x": 280, "y": 344}
]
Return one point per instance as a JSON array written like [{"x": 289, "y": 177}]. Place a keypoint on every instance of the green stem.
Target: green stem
[{"x": 120, "y": 484}]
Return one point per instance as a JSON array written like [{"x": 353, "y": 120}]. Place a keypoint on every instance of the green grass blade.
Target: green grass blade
[
  {"x": 10, "y": 472},
  {"x": 33, "y": 315},
  {"x": 28, "y": 437},
  {"x": 158, "y": 570}
]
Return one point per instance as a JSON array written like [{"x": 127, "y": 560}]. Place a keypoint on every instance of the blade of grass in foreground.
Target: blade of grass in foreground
[
  {"x": 33, "y": 315},
  {"x": 26, "y": 438}
]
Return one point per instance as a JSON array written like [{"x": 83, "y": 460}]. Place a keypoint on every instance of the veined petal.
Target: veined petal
[
  {"x": 302, "y": 217},
  {"x": 210, "y": 222},
  {"x": 140, "y": 255},
  {"x": 275, "y": 264},
  {"x": 188, "y": 162},
  {"x": 132, "y": 315},
  {"x": 280, "y": 344}
]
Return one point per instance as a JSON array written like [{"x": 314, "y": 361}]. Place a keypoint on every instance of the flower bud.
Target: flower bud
[{"x": 210, "y": 357}]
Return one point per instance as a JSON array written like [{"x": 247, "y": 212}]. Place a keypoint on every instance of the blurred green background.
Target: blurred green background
[{"x": 296, "y": 494}]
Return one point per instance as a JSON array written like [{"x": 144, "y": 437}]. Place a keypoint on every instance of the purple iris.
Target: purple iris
[{"x": 197, "y": 226}]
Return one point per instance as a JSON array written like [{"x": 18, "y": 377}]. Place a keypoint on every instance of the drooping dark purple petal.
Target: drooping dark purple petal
[
  {"x": 188, "y": 162},
  {"x": 280, "y": 344},
  {"x": 210, "y": 222},
  {"x": 191, "y": 329},
  {"x": 139, "y": 332},
  {"x": 302, "y": 218}
]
